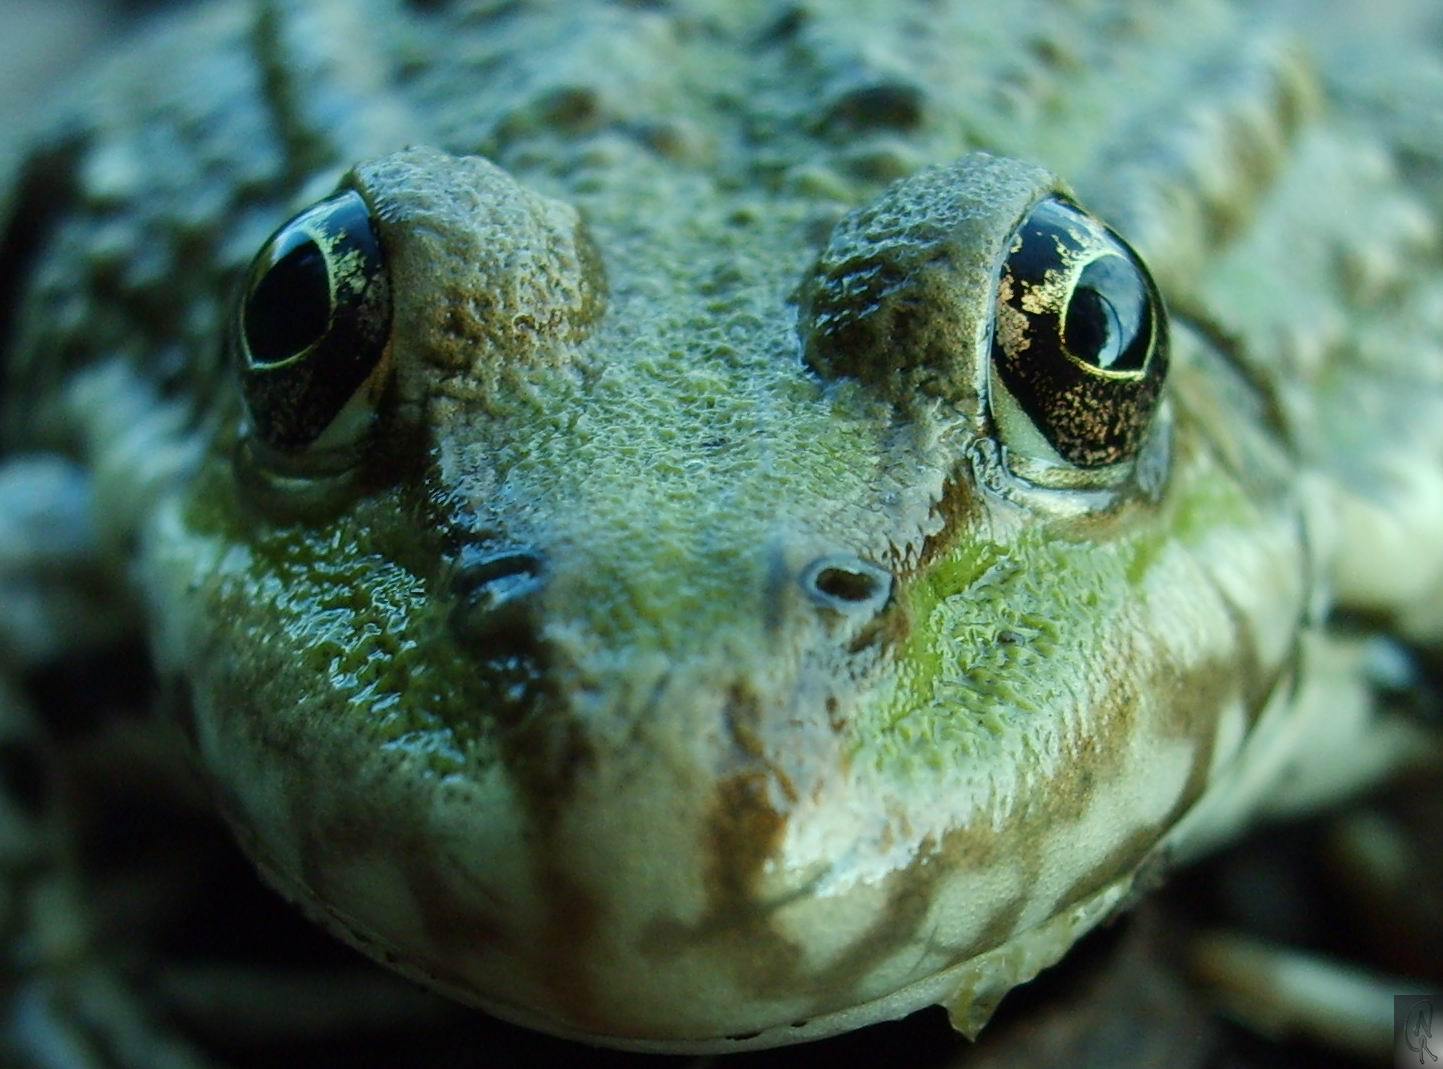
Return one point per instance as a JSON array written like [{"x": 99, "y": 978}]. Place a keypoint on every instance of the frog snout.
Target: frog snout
[
  {"x": 496, "y": 593},
  {"x": 503, "y": 597}
]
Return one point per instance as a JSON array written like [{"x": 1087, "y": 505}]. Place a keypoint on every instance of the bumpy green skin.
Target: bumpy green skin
[{"x": 697, "y": 804}]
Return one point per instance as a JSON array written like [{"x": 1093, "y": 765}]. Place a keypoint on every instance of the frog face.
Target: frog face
[{"x": 679, "y": 648}]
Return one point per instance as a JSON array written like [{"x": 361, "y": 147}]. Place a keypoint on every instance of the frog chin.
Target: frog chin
[
  {"x": 666, "y": 898},
  {"x": 617, "y": 971},
  {"x": 969, "y": 991}
]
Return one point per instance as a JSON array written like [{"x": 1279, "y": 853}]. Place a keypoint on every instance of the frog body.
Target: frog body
[{"x": 696, "y": 625}]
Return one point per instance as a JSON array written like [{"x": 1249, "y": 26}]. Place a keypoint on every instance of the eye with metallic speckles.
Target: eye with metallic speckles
[
  {"x": 311, "y": 332},
  {"x": 1079, "y": 344}
]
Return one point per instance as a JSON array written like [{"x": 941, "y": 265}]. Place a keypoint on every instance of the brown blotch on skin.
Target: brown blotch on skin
[
  {"x": 888, "y": 628},
  {"x": 548, "y": 755},
  {"x": 900, "y": 296},
  {"x": 999, "y": 927},
  {"x": 345, "y": 833},
  {"x": 490, "y": 280},
  {"x": 545, "y": 745},
  {"x": 1114, "y": 864},
  {"x": 868, "y": 314},
  {"x": 547, "y": 751},
  {"x": 1195, "y": 698},
  {"x": 959, "y": 507},
  {"x": 447, "y": 924},
  {"x": 1098, "y": 758},
  {"x": 573, "y": 918},
  {"x": 979, "y": 846},
  {"x": 743, "y": 717},
  {"x": 745, "y": 830},
  {"x": 359, "y": 830},
  {"x": 911, "y": 892},
  {"x": 565, "y": 109}
]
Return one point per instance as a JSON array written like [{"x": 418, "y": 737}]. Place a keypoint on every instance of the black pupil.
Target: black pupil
[
  {"x": 289, "y": 309},
  {"x": 1108, "y": 321}
]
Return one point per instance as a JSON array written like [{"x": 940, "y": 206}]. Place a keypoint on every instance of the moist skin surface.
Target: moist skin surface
[{"x": 677, "y": 541}]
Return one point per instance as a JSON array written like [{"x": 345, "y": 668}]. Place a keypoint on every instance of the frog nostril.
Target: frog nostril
[
  {"x": 494, "y": 590},
  {"x": 847, "y": 584}
]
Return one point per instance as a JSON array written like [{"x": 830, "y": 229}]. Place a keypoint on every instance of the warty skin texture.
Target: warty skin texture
[{"x": 682, "y": 793}]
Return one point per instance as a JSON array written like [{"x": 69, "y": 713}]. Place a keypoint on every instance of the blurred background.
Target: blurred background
[{"x": 43, "y": 41}]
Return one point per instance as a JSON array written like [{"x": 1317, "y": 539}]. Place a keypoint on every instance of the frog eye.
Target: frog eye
[
  {"x": 312, "y": 328},
  {"x": 1079, "y": 342}
]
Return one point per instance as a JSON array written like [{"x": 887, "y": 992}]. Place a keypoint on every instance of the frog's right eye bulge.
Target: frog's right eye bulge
[
  {"x": 1080, "y": 338},
  {"x": 312, "y": 329}
]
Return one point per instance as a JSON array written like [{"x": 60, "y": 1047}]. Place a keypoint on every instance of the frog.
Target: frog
[{"x": 696, "y": 527}]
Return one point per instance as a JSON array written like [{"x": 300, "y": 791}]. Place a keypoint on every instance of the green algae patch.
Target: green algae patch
[
  {"x": 1004, "y": 637},
  {"x": 324, "y": 624}
]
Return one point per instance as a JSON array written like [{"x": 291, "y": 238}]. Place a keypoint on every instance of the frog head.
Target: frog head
[{"x": 687, "y": 622}]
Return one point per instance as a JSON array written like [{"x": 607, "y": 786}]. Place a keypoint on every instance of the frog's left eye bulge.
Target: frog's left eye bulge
[
  {"x": 312, "y": 327},
  {"x": 1080, "y": 337}
]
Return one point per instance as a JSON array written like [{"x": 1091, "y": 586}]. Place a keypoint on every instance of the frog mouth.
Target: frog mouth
[
  {"x": 634, "y": 844},
  {"x": 969, "y": 990}
]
